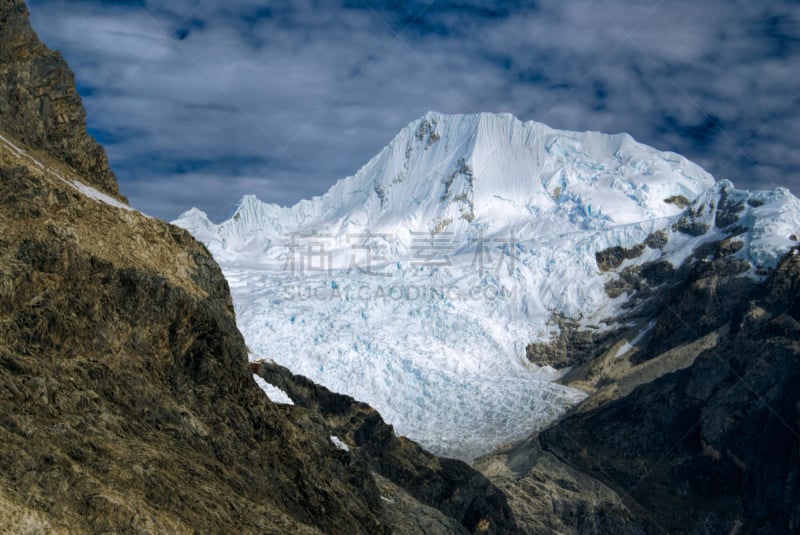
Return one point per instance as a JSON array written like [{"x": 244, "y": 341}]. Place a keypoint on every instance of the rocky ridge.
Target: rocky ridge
[
  {"x": 39, "y": 104},
  {"x": 447, "y": 485}
]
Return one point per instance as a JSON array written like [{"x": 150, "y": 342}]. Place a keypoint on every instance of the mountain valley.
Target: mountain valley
[{"x": 492, "y": 327}]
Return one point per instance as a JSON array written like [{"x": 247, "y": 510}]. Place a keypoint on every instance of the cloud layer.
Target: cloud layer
[{"x": 199, "y": 102}]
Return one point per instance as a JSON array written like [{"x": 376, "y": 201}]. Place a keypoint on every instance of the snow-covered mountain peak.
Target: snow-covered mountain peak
[
  {"x": 416, "y": 283},
  {"x": 460, "y": 169},
  {"x": 490, "y": 172}
]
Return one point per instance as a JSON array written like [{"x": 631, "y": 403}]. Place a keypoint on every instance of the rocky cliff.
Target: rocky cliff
[
  {"x": 713, "y": 447},
  {"x": 126, "y": 402},
  {"x": 693, "y": 420},
  {"x": 39, "y": 104}
]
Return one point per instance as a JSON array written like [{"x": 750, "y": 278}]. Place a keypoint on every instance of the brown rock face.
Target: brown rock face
[
  {"x": 126, "y": 404},
  {"x": 38, "y": 101},
  {"x": 449, "y": 486}
]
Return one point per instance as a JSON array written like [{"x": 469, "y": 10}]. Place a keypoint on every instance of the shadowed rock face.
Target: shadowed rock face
[
  {"x": 125, "y": 399},
  {"x": 696, "y": 430},
  {"x": 714, "y": 447},
  {"x": 448, "y": 485},
  {"x": 39, "y": 104},
  {"x": 126, "y": 402}
]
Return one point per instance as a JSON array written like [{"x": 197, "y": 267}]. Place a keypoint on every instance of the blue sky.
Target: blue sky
[{"x": 199, "y": 102}]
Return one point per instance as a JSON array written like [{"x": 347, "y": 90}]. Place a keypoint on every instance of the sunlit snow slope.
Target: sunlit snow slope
[{"x": 416, "y": 284}]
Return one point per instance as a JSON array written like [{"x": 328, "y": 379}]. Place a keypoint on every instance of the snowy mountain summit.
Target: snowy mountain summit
[{"x": 417, "y": 283}]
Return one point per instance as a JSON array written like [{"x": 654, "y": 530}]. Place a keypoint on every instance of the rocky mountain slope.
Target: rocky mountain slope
[
  {"x": 126, "y": 401},
  {"x": 692, "y": 424}
]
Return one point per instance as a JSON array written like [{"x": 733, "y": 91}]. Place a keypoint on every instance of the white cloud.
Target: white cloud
[{"x": 282, "y": 102}]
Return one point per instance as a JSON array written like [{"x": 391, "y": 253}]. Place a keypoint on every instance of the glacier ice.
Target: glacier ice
[{"x": 415, "y": 284}]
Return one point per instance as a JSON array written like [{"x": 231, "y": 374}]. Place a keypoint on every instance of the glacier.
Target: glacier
[{"x": 416, "y": 284}]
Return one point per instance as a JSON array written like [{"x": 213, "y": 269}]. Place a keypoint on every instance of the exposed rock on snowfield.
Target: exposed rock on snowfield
[{"x": 693, "y": 420}]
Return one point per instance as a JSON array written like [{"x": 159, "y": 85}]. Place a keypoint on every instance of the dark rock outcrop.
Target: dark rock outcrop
[
  {"x": 701, "y": 298},
  {"x": 448, "y": 485},
  {"x": 678, "y": 200},
  {"x": 728, "y": 209},
  {"x": 696, "y": 429},
  {"x": 39, "y": 104},
  {"x": 612, "y": 258},
  {"x": 715, "y": 447},
  {"x": 657, "y": 239},
  {"x": 570, "y": 346}
]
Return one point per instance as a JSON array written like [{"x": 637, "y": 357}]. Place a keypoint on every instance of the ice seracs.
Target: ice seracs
[{"x": 416, "y": 283}]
